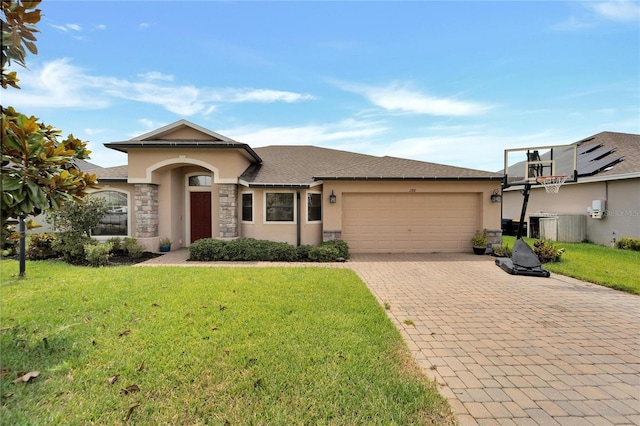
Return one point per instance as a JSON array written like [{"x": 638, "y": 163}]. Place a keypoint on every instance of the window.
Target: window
[
  {"x": 314, "y": 207},
  {"x": 115, "y": 221},
  {"x": 200, "y": 180},
  {"x": 279, "y": 206},
  {"x": 247, "y": 207}
]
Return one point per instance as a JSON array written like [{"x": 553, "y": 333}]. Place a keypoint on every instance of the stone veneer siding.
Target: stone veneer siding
[
  {"x": 331, "y": 235},
  {"x": 228, "y": 212},
  {"x": 495, "y": 237},
  {"x": 146, "y": 210}
]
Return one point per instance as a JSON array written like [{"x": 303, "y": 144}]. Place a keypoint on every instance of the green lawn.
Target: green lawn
[
  {"x": 204, "y": 346},
  {"x": 602, "y": 265}
]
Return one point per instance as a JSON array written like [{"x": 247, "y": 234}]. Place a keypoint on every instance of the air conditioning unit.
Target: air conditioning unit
[{"x": 597, "y": 209}]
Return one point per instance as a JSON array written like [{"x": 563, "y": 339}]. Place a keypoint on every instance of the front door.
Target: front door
[{"x": 200, "y": 215}]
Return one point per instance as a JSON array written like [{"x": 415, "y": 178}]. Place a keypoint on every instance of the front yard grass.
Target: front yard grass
[
  {"x": 204, "y": 346},
  {"x": 597, "y": 264}
]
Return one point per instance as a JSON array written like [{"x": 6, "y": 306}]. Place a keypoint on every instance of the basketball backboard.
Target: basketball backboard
[{"x": 526, "y": 165}]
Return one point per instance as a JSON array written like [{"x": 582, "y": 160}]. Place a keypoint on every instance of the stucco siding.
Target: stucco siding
[
  {"x": 622, "y": 198},
  {"x": 228, "y": 163}
]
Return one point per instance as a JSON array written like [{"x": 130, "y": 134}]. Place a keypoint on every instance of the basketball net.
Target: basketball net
[{"x": 551, "y": 183}]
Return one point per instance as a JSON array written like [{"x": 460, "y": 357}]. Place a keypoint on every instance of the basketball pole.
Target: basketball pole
[{"x": 525, "y": 193}]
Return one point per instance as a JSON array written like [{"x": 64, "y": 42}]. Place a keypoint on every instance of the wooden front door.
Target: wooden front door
[{"x": 200, "y": 215}]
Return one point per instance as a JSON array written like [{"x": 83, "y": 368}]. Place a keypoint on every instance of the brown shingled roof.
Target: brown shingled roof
[
  {"x": 400, "y": 168},
  {"x": 118, "y": 173},
  {"x": 303, "y": 165},
  {"x": 297, "y": 165}
]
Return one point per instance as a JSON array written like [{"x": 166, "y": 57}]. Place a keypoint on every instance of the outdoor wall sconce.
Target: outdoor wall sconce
[
  {"x": 332, "y": 197},
  {"x": 496, "y": 197}
]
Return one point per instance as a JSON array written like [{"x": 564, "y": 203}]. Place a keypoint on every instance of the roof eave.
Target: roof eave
[
  {"x": 408, "y": 178},
  {"x": 126, "y": 145}
]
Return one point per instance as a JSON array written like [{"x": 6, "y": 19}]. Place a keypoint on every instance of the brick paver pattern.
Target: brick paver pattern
[{"x": 510, "y": 350}]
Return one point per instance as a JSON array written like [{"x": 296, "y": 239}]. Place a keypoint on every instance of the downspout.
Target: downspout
[{"x": 298, "y": 222}]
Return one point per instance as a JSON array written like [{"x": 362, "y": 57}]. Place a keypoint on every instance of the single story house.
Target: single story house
[
  {"x": 603, "y": 205},
  {"x": 185, "y": 182}
]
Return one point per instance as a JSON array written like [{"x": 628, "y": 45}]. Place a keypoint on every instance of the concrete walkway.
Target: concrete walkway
[{"x": 507, "y": 350}]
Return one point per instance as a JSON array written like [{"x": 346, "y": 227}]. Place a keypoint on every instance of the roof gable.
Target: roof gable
[
  {"x": 184, "y": 134},
  {"x": 182, "y": 130}
]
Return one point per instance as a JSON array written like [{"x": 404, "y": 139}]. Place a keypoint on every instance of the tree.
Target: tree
[{"x": 38, "y": 169}]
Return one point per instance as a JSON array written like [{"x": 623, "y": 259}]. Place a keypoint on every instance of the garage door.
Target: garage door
[{"x": 409, "y": 223}]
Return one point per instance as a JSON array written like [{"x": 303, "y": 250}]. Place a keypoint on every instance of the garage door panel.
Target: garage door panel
[{"x": 409, "y": 222}]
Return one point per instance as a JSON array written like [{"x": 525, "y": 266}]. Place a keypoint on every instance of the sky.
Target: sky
[{"x": 450, "y": 82}]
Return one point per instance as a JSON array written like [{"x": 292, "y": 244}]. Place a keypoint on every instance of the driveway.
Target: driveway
[
  {"x": 514, "y": 350},
  {"x": 509, "y": 350}
]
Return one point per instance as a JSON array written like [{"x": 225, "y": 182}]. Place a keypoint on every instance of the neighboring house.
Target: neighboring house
[
  {"x": 608, "y": 179},
  {"x": 185, "y": 182}
]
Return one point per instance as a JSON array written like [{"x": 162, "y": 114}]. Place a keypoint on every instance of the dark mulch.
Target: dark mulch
[
  {"x": 119, "y": 259},
  {"x": 122, "y": 259}
]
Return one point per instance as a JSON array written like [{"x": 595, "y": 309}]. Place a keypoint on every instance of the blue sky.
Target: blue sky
[{"x": 446, "y": 82}]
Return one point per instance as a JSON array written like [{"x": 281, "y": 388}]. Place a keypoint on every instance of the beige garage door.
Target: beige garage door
[{"x": 409, "y": 223}]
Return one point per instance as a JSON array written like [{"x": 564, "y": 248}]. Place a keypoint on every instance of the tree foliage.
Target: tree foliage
[{"x": 38, "y": 169}]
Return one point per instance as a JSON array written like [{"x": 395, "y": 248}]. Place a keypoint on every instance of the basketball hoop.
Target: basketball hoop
[{"x": 551, "y": 183}]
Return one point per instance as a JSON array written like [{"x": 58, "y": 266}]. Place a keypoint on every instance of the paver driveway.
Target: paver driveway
[
  {"x": 508, "y": 349},
  {"x": 514, "y": 350}
]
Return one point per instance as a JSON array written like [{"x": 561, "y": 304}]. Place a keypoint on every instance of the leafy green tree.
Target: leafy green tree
[{"x": 38, "y": 169}]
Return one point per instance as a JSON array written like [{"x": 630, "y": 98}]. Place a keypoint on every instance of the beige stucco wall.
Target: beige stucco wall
[
  {"x": 622, "y": 206},
  {"x": 489, "y": 215},
  {"x": 310, "y": 232},
  {"x": 227, "y": 164}
]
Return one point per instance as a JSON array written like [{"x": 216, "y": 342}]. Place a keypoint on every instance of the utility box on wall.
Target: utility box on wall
[
  {"x": 597, "y": 209},
  {"x": 565, "y": 228}
]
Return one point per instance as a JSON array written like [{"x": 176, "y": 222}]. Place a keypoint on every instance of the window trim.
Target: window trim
[
  {"x": 307, "y": 206},
  {"x": 279, "y": 222},
  {"x": 107, "y": 188},
  {"x": 253, "y": 207}
]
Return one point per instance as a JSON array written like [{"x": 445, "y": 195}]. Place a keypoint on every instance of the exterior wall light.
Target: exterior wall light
[
  {"x": 332, "y": 197},
  {"x": 496, "y": 197}
]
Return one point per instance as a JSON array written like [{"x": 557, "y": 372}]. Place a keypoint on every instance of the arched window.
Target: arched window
[
  {"x": 116, "y": 220},
  {"x": 200, "y": 180}
]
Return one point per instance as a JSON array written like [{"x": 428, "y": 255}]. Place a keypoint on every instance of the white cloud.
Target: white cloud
[
  {"x": 344, "y": 134},
  {"x": 60, "y": 84},
  {"x": 398, "y": 97},
  {"x": 144, "y": 25},
  {"x": 66, "y": 27},
  {"x": 101, "y": 27},
  {"x": 265, "y": 95},
  {"x": 155, "y": 75},
  {"x": 618, "y": 10}
]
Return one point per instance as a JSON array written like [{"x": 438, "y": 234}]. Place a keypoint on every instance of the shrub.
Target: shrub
[
  {"x": 98, "y": 255},
  {"x": 41, "y": 247},
  {"x": 79, "y": 218},
  {"x": 116, "y": 244},
  {"x": 133, "y": 248},
  {"x": 249, "y": 249},
  {"x": 547, "y": 251},
  {"x": 71, "y": 246},
  {"x": 302, "y": 253},
  {"x": 502, "y": 251},
  {"x": 627, "y": 243},
  {"x": 324, "y": 253},
  {"x": 341, "y": 246},
  {"x": 207, "y": 249},
  {"x": 280, "y": 252}
]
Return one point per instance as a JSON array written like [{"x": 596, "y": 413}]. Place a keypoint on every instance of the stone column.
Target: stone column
[
  {"x": 146, "y": 210},
  {"x": 228, "y": 211}
]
